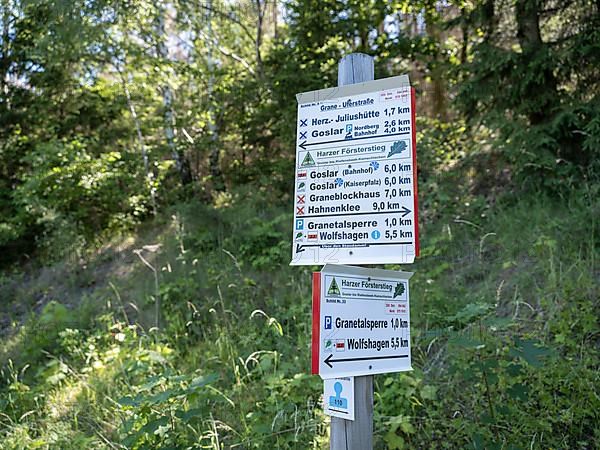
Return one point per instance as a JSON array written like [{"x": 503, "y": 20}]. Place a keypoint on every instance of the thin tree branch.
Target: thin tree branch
[
  {"x": 227, "y": 52},
  {"x": 231, "y": 18}
]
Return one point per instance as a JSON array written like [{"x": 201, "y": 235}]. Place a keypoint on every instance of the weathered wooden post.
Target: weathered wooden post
[
  {"x": 355, "y": 68},
  {"x": 356, "y": 434}
]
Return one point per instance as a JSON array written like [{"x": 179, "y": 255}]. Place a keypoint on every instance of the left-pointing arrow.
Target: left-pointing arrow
[
  {"x": 329, "y": 360},
  {"x": 305, "y": 144}
]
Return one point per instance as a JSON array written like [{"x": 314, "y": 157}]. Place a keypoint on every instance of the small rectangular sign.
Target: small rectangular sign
[
  {"x": 355, "y": 198},
  {"x": 338, "y": 397},
  {"x": 361, "y": 322}
]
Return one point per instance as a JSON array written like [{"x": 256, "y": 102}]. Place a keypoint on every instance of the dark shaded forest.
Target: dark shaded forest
[{"x": 146, "y": 200}]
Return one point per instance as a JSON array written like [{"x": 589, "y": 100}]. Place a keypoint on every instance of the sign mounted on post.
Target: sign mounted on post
[
  {"x": 361, "y": 322},
  {"x": 356, "y": 178},
  {"x": 338, "y": 397}
]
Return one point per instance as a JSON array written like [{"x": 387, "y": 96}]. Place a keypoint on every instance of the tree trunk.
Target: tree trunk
[
  {"x": 5, "y": 59},
  {"x": 140, "y": 136},
  {"x": 528, "y": 26},
  {"x": 439, "y": 103},
  {"x": 260, "y": 14},
  {"x": 532, "y": 46},
  {"x": 464, "y": 27},
  {"x": 489, "y": 20},
  {"x": 214, "y": 157},
  {"x": 181, "y": 162},
  {"x": 275, "y": 27}
]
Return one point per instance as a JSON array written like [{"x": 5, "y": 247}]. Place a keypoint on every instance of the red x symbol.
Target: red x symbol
[
  {"x": 300, "y": 210},
  {"x": 301, "y": 199}
]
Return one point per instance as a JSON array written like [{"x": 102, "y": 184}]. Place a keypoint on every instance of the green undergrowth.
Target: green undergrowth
[{"x": 196, "y": 334}]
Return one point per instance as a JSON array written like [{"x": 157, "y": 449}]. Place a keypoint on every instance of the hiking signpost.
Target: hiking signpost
[
  {"x": 355, "y": 202},
  {"x": 361, "y": 322},
  {"x": 355, "y": 190}
]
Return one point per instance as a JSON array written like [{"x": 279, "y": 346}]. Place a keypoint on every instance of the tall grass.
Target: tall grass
[{"x": 504, "y": 320}]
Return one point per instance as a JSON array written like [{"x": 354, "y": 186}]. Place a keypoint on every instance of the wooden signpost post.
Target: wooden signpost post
[{"x": 358, "y": 433}]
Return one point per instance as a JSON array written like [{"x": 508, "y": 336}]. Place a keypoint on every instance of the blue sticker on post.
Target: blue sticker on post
[
  {"x": 337, "y": 401},
  {"x": 338, "y": 396}
]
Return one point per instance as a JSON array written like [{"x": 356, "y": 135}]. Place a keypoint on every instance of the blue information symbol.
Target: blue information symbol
[
  {"x": 375, "y": 234},
  {"x": 337, "y": 401}
]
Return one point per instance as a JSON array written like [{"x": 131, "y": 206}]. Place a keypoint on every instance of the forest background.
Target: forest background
[{"x": 146, "y": 181}]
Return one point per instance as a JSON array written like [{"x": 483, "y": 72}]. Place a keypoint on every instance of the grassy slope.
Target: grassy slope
[{"x": 505, "y": 335}]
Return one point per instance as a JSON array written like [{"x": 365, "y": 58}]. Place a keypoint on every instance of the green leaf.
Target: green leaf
[
  {"x": 487, "y": 419},
  {"x": 514, "y": 370},
  {"x": 492, "y": 378},
  {"x": 470, "y": 312},
  {"x": 498, "y": 323},
  {"x": 489, "y": 364},
  {"x": 478, "y": 441},
  {"x": 162, "y": 397},
  {"x": 152, "y": 383},
  {"x": 518, "y": 391},
  {"x": 465, "y": 371},
  {"x": 504, "y": 410},
  {"x": 429, "y": 392},
  {"x": 465, "y": 342},
  {"x": 399, "y": 290},
  {"x": 203, "y": 380},
  {"x": 407, "y": 427},
  {"x": 130, "y": 401},
  {"x": 154, "y": 425},
  {"x": 38, "y": 443},
  {"x": 533, "y": 354},
  {"x": 393, "y": 441},
  {"x": 186, "y": 416}
]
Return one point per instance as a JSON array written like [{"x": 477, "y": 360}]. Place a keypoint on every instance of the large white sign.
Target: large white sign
[
  {"x": 355, "y": 198},
  {"x": 361, "y": 322},
  {"x": 338, "y": 397}
]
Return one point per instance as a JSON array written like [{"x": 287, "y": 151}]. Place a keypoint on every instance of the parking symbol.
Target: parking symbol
[
  {"x": 328, "y": 322},
  {"x": 299, "y": 224}
]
